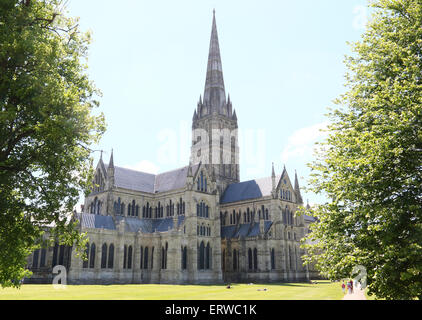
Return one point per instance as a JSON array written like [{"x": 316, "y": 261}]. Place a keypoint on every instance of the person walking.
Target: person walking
[
  {"x": 351, "y": 286},
  {"x": 343, "y": 287}
]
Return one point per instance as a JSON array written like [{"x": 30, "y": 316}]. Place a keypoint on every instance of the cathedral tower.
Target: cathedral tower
[{"x": 214, "y": 124}]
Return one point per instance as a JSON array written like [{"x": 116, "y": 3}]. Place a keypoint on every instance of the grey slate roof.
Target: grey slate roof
[
  {"x": 309, "y": 218},
  {"x": 244, "y": 230},
  {"x": 252, "y": 189},
  {"x": 134, "y": 180},
  {"x": 149, "y": 225},
  {"x": 95, "y": 221},
  {"x": 150, "y": 183}
]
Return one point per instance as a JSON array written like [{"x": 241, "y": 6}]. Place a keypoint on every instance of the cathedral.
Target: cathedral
[{"x": 197, "y": 224}]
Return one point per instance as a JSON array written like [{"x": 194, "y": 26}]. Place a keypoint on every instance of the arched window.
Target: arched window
[
  {"x": 124, "y": 256},
  {"x": 290, "y": 259},
  {"x": 184, "y": 258},
  {"x": 35, "y": 258},
  {"x": 92, "y": 256},
  {"x": 61, "y": 254},
  {"x": 141, "y": 263},
  {"x": 250, "y": 266},
  {"x": 163, "y": 263},
  {"x": 198, "y": 185},
  {"x": 266, "y": 214},
  {"x": 167, "y": 247},
  {"x": 224, "y": 260},
  {"x": 146, "y": 258},
  {"x": 205, "y": 189},
  {"x": 207, "y": 211},
  {"x": 85, "y": 262},
  {"x": 272, "y": 259},
  {"x": 104, "y": 256},
  {"x": 129, "y": 210},
  {"x": 111, "y": 256},
  {"x": 201, "y": 255},
  {"x": 43, "y": 255},
  {"x": 207, "y": 256},
  {"x": 122, "y": 209},
  {"x": 129, "y": 257},
  {"x": 255, "y": 259},
  {"x": 152, "y": 258}
]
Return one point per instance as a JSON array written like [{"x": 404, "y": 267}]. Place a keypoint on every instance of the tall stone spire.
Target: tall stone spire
[
  {"x": 214, "y": 93},
  {"x": 297, "y": 190}
]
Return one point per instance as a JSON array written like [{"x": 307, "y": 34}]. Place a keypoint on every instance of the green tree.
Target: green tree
[
  {"x": 370, "y": 166},
  {"x": 46, "y": 128}
]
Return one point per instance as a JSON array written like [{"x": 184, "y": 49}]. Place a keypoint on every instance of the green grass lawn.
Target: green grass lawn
[{"x": 324, "y": 290}]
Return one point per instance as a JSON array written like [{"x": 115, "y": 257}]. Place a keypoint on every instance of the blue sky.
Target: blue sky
[{"x": 282, "y": 65}]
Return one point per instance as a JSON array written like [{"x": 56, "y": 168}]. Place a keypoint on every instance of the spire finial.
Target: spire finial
[
  {"x": 111, "y": 164},
  {"x": 297, "y": 190}
]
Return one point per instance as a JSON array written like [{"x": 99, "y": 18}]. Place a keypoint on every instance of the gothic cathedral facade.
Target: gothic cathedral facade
[{"x": 196, "y": 224}]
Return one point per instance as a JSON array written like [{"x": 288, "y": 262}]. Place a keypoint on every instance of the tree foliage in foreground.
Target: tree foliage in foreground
[
  {"x": 371, "y": 163},
  {"x": 46, "y": 128}
]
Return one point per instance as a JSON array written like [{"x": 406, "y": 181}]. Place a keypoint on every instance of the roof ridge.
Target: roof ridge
[
  {"x": 152, "y": 174},
  {"x": 262, "y": 178}
]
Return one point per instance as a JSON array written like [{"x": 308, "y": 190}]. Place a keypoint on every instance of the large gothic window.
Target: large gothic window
[
  {"x": 129, "y": 257},
  {"x": 184, "y": 258},
  {"x": 224, "y": 260},
  {"x": 43, "y": 255},
  {"x": 255, "y": 259},
  {"x": 104, "y": 256},
  {"x": 111, "y": 256},
  {"x": 250, "y": 265},
  {"x": 124, "y": 256},
  {"x": 208, "y": 256},
  {"x": 35, "y": 258},
  {"x": 85, "y": 262},
  {"x": 61, "y": 254},
  {"x": 92, "y": 256},
  {"x": 272, "y": 259},
  {"x": 146, "y": 258},
  {"x": 201, "y": 256}
]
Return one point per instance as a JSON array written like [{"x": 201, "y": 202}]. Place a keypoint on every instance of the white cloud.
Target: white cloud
[
  {"x": 144, "y": 166},
  {"x": 301, "y": 143}
]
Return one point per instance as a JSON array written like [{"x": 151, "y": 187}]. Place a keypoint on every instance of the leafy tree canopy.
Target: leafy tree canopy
[
  {"x": 46, "y": 128},
  {"x": 371, "y": 163}
]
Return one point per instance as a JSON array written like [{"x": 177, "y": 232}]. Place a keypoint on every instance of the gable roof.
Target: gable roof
[
  {"x": 252, "y": 189},
  {"x": 147, "y": 182}
]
